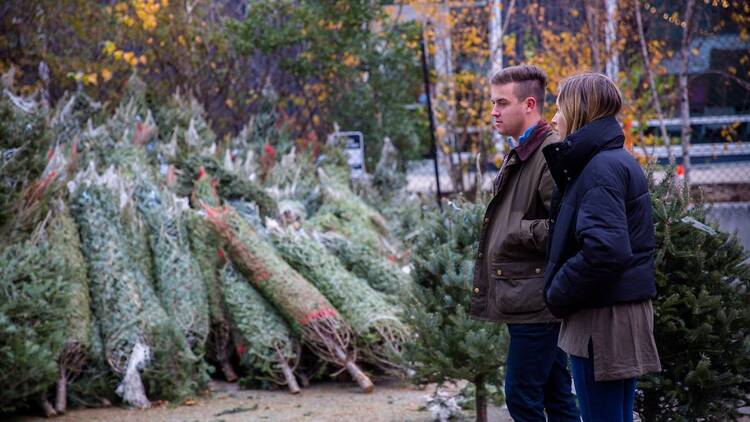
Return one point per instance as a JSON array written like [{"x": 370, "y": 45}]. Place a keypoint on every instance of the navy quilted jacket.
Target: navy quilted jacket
[{"x": 600, "y": 248}]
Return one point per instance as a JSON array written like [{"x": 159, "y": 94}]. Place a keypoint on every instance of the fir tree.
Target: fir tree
[
  {"x": 701, "y": 316},
  {"x": 448, "y": 345}
]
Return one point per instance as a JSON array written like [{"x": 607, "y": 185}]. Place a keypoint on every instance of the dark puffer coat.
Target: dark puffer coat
[{"x": 601, "y": 241}]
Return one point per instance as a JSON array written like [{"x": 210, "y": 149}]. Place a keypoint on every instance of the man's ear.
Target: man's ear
[{"x": 530, "y": 104}]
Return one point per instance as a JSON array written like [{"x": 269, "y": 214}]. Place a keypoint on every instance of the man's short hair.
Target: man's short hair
[{"x": 530, "y": 80}]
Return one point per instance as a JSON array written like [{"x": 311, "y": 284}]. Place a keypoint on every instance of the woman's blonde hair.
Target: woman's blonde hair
[{"x": 586, "y": 97}]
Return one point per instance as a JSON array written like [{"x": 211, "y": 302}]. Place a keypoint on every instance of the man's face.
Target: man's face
[{"x": 507, "y": 111}]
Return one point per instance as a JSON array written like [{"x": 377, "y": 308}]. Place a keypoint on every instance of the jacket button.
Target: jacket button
[
  {"x": 565, "y": 170},
  {"x": 499, "y": 272},
  {"x": 552, "y": 221},
  {"x": 476, "y": 290},
  {"x": 486, "y": 220},
  {"x": 479, "y": 255},
  {"x": 538, "y": 271}
]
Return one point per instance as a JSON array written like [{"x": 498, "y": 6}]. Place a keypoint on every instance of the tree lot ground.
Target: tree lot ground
[{"x": 393, "y": 400}]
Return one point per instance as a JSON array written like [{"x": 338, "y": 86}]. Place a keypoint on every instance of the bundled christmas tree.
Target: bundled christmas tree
[
  {"x": 448, "y": 345},
  {"x": 305, "y": 308},
  {"x": 178, "y": 283},
  {"x": 204, "y": 246},
  {"x": 263, "y": 340},
  {"x": 379, "y": 331},
  {"x": 346, "y": 213},
  {"x": 701, "y": 315},
  {"x": 137, "y": 333},
  {"x": 381, "y": 273},
  {"x": 63, "y": 239}
]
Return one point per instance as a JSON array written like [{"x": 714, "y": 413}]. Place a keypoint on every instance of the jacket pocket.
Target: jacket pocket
[{"x": 519, "y": 287}]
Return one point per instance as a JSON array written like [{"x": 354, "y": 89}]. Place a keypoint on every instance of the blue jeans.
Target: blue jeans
[
  {"x": 536, "y": 377},
  {"x": 606, "y": 401}
]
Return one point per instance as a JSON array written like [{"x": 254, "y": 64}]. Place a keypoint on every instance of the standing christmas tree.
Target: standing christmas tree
[
  {"x": 449, "y": 345},
  {"x": 701, "y": 316}
]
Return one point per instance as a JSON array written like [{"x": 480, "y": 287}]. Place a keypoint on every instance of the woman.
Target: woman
[{"x": 600, "y": 269}]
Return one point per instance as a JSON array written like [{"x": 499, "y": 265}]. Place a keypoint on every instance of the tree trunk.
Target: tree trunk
[
  {"x": 592, "y": 21},
  {"x": 61, "y": 401},
  {"x": 652, "y": 83},
  {"x": 612, "y": 67},
  {"x": 49, "y": 411},
  {"x": 481, "y": 399},
  {"x": 683, "y": 83}
]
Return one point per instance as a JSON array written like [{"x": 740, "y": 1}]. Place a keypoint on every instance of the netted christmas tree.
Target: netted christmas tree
[
  {"x": 448, "y": 345},
  {"x": 264, "y": 341},
  {"x": 381, "y": 273},
  {"x": 137, "y": 333},
  {"x": 204, "y": 246},
  {"x": 380, "y": 332},
  {"x": 344, "y": 212},
  {"x": 177, "y": 275},
  {"x": 307, "y": 311},
  {"x": 63, "y": 240},
  {"x": 701, "y": 315}
]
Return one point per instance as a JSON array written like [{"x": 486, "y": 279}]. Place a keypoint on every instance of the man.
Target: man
[{"x": 508, "y": 272}]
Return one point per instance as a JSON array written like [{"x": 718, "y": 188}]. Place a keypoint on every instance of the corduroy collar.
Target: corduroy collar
[{"x": 537, "y": 137}]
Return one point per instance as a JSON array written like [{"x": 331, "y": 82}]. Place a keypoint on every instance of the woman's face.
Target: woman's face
[{"x": 559, "y": 122}]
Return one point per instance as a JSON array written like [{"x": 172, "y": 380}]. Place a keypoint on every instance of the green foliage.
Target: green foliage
[
  {"x": 701, "y": 315},
  {"x": 448, "y": 345},
  {"x": 33, "y": 305}
]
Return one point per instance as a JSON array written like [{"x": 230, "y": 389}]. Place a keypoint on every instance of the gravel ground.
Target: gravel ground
[{"x": 392, "y": 401}]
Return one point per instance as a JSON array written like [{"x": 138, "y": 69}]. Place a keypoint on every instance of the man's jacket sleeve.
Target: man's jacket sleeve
[{"x": 533, "y": 233}]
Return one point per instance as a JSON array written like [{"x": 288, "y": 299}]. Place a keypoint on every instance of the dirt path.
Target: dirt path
[{"x": 392, "y": 401}]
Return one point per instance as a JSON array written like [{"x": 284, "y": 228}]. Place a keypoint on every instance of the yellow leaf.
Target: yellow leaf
[
  {"x": 90, "y": 79},
  {"x": 133, "y": 61},
  {"x": 106, "y": 74},
  {"x": 142, "y": 59},
  {"x": 732, "y": 70},
  {"x": 128, "y": 56},
  {"x": 118, "y": 54},
  {"x": 164, "y": 3},
  {"x": 109, "y": 47}
]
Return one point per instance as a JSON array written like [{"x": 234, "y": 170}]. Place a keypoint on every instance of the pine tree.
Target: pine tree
[
  {"x": 701, "y": 316},
  {"x": 448, "y": 345}
]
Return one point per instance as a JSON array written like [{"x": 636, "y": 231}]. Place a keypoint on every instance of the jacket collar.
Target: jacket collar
[
  {"x": 568, "y": 158},
  {"x": 535, "y": 139}
]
